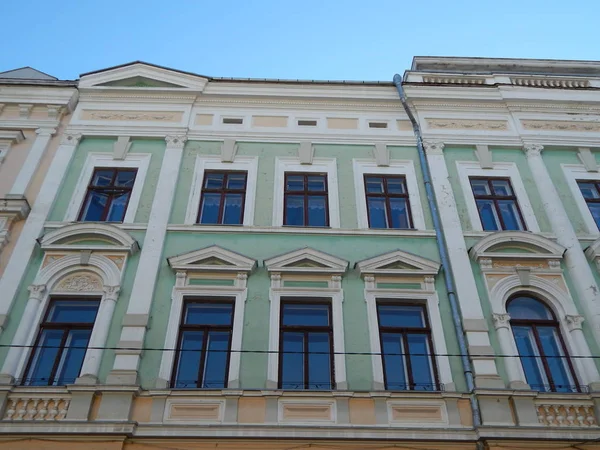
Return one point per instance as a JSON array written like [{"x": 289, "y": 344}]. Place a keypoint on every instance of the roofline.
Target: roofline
[{"x": 32, "y": 82}]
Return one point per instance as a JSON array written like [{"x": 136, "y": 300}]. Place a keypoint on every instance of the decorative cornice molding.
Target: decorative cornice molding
[
  {"x": 176, "y": 140},
  {"x": 532, "y": 150},
  {"x": 550, "y": 82},
  {"x": 433, "y": 147},
  {"x": 467, "y": 124},
  {"x": 45, "y": 131},
  {"x": 561, "y": 125},
  {"x": 132, "y": 116},
  {"x": 438, "y": 79},
  {"x": 25, "y": 110}
]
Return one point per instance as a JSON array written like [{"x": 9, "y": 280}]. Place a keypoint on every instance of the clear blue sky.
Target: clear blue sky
[{"x": 306, "y": 39}]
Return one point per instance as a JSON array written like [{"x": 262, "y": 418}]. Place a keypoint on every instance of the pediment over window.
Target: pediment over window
[
  {"x": 306, "y": 260},
  {"x": 89, "y": 237},
  {"x": 212, "y": 259},
  {"x": 397, "y": 262}
]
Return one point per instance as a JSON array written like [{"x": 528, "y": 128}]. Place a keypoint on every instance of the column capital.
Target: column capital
[
  {"x": 433, "y": 147},
  {"x": 111, "y": 292},
  {"x": 574, "y": 322},
  {"x": 501, "y": 320},
  {"x": 36, "y": 291},
  {"x": 176, "y": 140},
  {"x": 533, "y": 149},
  {"x": 70, "y": 139},
  {"x": 45, "y": 131}
]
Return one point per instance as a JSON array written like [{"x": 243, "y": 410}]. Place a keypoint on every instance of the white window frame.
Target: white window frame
[
  {"x": 319, "y": 165},
  {"x": 247, "y": 164},
  {"x": 364, "y": 167},
  {"x": 574, "y": 172},
  {"x": 238, "y": 292},
  {"x": 139, "y": 161},
  {"x": 500, "y": 170}
]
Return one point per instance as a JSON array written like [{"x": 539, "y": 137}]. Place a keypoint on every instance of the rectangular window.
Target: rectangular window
[
  {"x": 108, "y": 195},
  {"x": 61, "y": 343},
  {"x": 306, "y": 346},
  {"x": 305, "y": 200},
  {"x": 223, "y": 198},
  {"x": 497, "y": 204},
  {"x": 204, "y": 344},
  {"x": 406, "y": 347},
  {"x": 591, "y": 193},
  {"x": 387, "y": 201}
]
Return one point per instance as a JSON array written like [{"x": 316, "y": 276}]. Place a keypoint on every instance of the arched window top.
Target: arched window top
[{"x": 523, "y": 307}]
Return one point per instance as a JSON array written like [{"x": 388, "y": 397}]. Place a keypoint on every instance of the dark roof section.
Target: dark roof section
[{"x": 27, "y": 73}]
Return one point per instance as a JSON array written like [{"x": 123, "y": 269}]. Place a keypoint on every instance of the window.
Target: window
[
  {"x": 306, "y": 343},
  {"x": 223, "y": 196},
  {"x": 108, "y": 195},
  {"x": 406, "y": 347},
  {"x": 387, "y": 201},
  {"x": 204, "y": 344},
  {"x": 497, "y": 204},
  {"x": 545, "y": 360},
  {"x": 305, "y": 200},
  {"x": 61, "y": 343},
  {"x": 591, "y": 193}
]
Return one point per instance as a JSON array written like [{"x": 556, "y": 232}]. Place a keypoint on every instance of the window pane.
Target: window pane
[
  {"x": 209, "y": 209},
  {"x": 316, "y": 183},
  {"x": 294, "y": 183},
  {"x": 399, "y": 213},
  {"x": 528, "y": 308},
  {"x": 215, "y": 368},
  {"x": 102, "y": 177},
  {"x": 116, "y": 211},
  {"x": 595, "y": 210},
  {"x": 401, "y": 316},
  {"x": 563, "y": 382},
  {"x": 374, "y": 185},
  {"x": 487, "y": 212},
  {"x": 502, "y": 187},
  {"x": 317, "y": 211},
  {"x": 420, "y": 362},
  {"x": 232, "y": 214},
  {"x": 294, "y": 211},
  {"x": 395, "y": 369},
  {"x": 292, "y": 361},
  {"x": 93, "y": 207},
  {"x": 213, "y": 181},
  {"x": 319, "y": 361},
  {"x": 44, "y": 358},
  {"x": 377, "y": 212},
  {"x": 190, "y": 354},
  {"x": 532, "y": 365},
  {"x": 208, "y": 314},
  {"x": 396, "y": 186},
  {"x": 480, "y": 187},
  {"x": 236, "y": 181},
  {"x": 125, "y": 178},
  {"x": 589, "y": 190},
  {"x": 72, "y": 356},
  {"x": 311, "y": 315},
  {"x": 510, "y": 215}
]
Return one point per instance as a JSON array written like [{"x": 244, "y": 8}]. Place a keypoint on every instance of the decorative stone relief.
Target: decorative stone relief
[
  {"x": 176, "y": 141},
  {"x": 433, "y": 147},
  {"x": 111, "y": 292},
  {"x": 512, "y": 264},
  {"x": 80, "y": 283},
  {"x": 560, "y": 125},
  {"x": 550, "y": 82},
  {"x": 485, "y": 263},
  {"x": 46, "y": 409},
  {"x": 70, "y": 138},
  {"x": 36, "y": 291},
  {"x": 136, "y": 116},
  {"x": 566, "y": 415},
  {"x": 501, "y": 320},
  {"x": 275, "y": 280},
  {"x": 465, "y": 124},
  {"x": 533, "y": 149},
  {"x": 574, "y": 322},
  {"x": 452, "y": 80},
  {"x": 241, "y": 280},
  {"x": 180, "y": 278}
]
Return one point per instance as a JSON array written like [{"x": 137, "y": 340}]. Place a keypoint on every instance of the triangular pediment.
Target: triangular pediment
[
  {"x": 515, "y": 245},
  {"x": 306, "y": 260},
  {"x": 398, "y": 262},
  {"x": 27, "y": 73},
  {"x": 212, "y": 259},
  {"x": 140, "y": 75},
  {"x": 89, "y": 236}
]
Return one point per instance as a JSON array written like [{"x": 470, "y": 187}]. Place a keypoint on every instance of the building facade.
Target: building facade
[{"x": 226, "y": 263}]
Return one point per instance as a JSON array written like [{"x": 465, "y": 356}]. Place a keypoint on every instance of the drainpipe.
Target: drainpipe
[{"x": 446, "y": 269}]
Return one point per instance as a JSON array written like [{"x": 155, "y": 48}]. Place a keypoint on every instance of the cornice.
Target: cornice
[{"x": 28, "y": 124}]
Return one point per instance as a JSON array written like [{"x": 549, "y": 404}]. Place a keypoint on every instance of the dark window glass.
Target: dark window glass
[
  {"x": 591, "y": 193},
  {"x": 223, "y": 197},
  {"x": 61, "y": 343},
  {"x": 387, "y": 201},
  {"x": 406, "y": 347},
  {"x": 306, "y": 342},
  {"x": 305, "y": 200},
  {"x": 544, "y": 357},
  {"x": 202, "y": 358},
  {"x": 497, "y": 204},
  {"x": 108, "y": 195}
]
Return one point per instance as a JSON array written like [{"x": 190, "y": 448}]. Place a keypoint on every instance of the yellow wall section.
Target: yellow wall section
[
  {"x": 251, "y": 410},
  {"x": 342, "y": 124},
  {"x": 362, "y": 411}
]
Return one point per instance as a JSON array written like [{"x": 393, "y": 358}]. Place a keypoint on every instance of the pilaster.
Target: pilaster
[{"x": 32, "y": 162}]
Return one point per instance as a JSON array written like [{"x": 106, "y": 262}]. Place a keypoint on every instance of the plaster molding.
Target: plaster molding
[
  {"x": 532, "y": 149},
  {"x": 36, "y": 291},
  {"x": 467, "y": 124},
  {"x": 501, "y": 320},
  {"x": 69, "y": 138},
  {"x": 574, "y": 322},
  {"x": 116, "y": 238},
  {"x": 560, "y": 125},
  {"x": 25, "y": 110},
  {"x": 306, "y": 260},
  {"x": 176, "y": 140},
  {"x": 80, "y": 282},
  {"x": 538, "y": 247},
  {"x": 397, "y": 262},
  {"x": 433, "y": 147},
  {"x": 550, "y": 82},
  {"x": 111, "y": 292},
  {"x": 212, "y": 259}
]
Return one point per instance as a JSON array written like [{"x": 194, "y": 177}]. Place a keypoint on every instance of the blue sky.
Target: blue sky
[{"x": 305, "y": 39}]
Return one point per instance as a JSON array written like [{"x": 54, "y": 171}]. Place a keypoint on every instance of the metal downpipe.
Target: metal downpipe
[{"x": 442, "y": 248}]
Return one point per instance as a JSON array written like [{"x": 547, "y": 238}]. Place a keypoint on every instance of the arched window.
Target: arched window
[{"x": 541, "y": 347}]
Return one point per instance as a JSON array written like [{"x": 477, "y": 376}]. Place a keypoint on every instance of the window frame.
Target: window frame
[
  {"x": 387, "y": 197},
  {"x": 426, "y": 330},
  {"x": 190, "y": 299},
  {"x": 495, "y": 199},
  {"x": 223, "y": 193},
  {"x": 66, "y": 327},
  {"x": 596, "y": 183},
  {"x": 306, "y": 329},
  {"x": 306, "y": 194}
]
